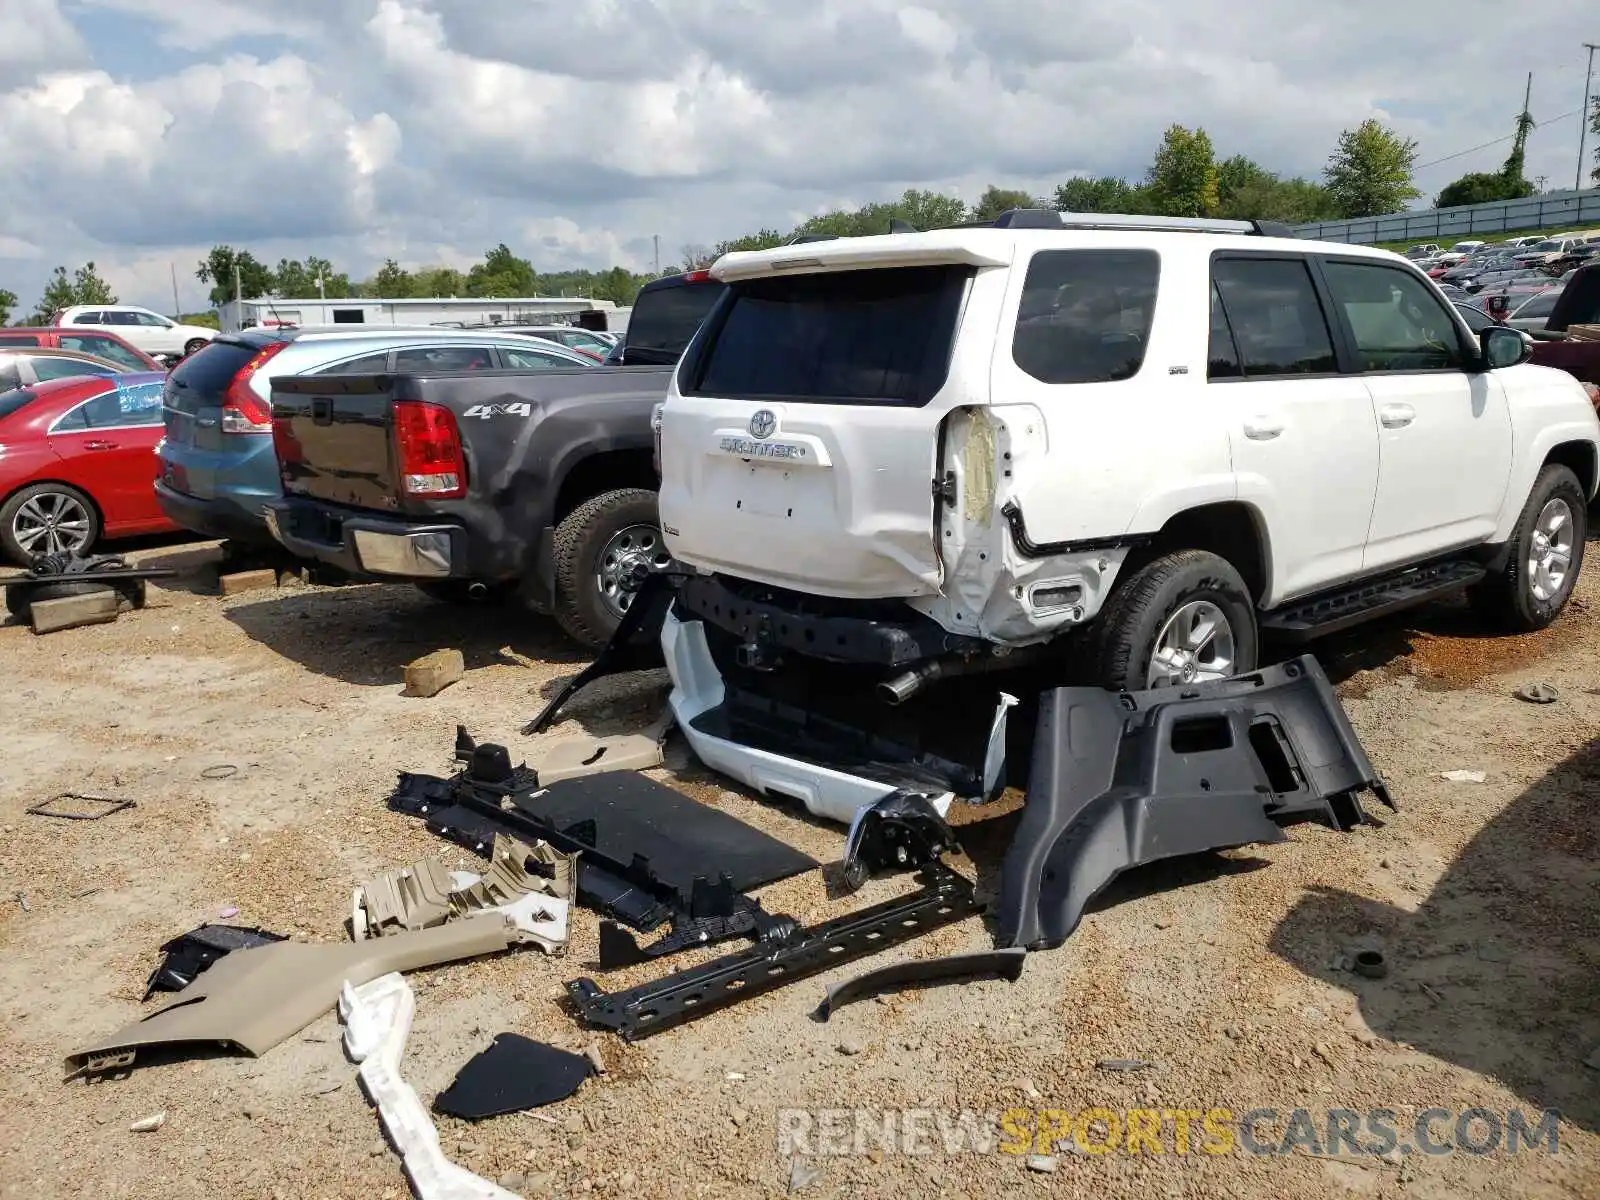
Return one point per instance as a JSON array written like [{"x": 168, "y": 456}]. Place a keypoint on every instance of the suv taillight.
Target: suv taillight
[
  {"x": 428, "y": 449},
  {"x": 243, "y": 410}
]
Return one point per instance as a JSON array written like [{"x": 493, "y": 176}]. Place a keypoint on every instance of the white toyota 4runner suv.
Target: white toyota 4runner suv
[{"x": 1119, "y": 448}]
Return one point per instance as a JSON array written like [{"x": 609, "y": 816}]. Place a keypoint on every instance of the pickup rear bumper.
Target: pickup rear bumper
[{"x": 369, "y": 547}]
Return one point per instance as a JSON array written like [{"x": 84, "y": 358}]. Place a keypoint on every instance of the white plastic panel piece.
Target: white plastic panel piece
[
  {"x": 377, "y": 1019},
  {"x": 697, "y": 688}
]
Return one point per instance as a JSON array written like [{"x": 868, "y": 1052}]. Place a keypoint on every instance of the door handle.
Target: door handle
[
  {"x": 1396, "y": 416},
  {"x": 1262, "y": 429},
  {"x": 97, "y": 444}
]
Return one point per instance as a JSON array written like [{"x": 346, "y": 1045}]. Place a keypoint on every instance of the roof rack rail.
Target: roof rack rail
[{"x": 1049, "y": 218}]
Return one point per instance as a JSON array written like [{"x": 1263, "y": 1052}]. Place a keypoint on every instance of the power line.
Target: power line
[{"x": 1486, "y": 145}]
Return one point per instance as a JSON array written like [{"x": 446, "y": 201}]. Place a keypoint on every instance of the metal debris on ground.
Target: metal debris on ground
[
  {"x": 1371, "y": 964},
  {"x": 1538, "y": 693},
  {"x": 148, "y": 1124},
  {"x": 1465, "y": 776},
  {"x": 220, "y": 771},
  {"x": 186, "y": 956},
  {"x": 22, "y": 899},
  {"x": 93, "y": 807}
]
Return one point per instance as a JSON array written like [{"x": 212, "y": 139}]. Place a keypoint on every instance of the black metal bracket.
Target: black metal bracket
[
  {"x": 901, "y": 832},
  {"x": 1005, "y": 964},
  {"x": 716, "y": 913},
  {"x": 635, "y": 646},
  {"x": 944, "y": 899}
]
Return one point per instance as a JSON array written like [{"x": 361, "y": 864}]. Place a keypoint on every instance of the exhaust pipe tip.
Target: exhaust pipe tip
[{"x": 900, "y": 688}]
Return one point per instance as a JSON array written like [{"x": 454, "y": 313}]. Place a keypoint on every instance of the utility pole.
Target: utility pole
[
  {"x": 656, "y": 238},
  {"x": 1541, "y": 180},
  {"x": 238, "y": 297},
  {"x": 176, "y": 306},
  {"x": 1583, "y": 114}
]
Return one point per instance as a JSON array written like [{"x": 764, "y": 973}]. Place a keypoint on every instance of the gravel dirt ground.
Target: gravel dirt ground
[{"x": 1221, "y": 974}]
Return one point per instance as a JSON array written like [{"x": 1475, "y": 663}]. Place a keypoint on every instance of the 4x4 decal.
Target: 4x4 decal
[{"x": 499, "y": 410}]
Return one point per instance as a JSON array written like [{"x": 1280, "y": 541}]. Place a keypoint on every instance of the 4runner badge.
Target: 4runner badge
[{"x": 763, "y": 424}]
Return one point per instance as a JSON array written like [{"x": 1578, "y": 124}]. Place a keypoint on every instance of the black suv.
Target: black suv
[{"x": 665, "y": 315}]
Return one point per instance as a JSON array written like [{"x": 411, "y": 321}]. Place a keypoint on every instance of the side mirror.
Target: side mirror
[{"x": 1504, "y": 347}]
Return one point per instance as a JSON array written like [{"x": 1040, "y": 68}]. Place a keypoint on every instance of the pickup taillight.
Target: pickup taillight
[
  {"x": 655, "y": 435},
  {"x": 428, "y": 451}
]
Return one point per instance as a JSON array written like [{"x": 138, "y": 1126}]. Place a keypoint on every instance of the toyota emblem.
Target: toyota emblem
[{"x": 762, "y": 424}]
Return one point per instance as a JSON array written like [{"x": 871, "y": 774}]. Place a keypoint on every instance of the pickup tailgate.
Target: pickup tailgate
[
  {"x": 335, "y": 433},
  {"x": 335, "y": 438}
]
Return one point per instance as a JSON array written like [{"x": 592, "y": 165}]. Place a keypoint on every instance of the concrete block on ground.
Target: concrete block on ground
[
  {"x": 432, "y": 673},
  {"x": 92, "y": 608},
  {"x": 247, "y": 581}
]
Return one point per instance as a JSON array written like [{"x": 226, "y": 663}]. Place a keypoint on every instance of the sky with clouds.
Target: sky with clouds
[{"x": 138, "y": 133}]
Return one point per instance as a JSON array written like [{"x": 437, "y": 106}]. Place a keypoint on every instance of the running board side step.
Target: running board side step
[{"x": 1332, "y": 612}]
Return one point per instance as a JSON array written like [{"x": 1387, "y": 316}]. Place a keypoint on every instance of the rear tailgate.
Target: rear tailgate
[
  {"x": 335, "y": 433},
  {"x": 335, "y": 438},
  {"x": 196, "y": 449}
]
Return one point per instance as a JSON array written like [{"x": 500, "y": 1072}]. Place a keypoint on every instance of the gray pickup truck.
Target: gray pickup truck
[{"x": 539, "y": 485}]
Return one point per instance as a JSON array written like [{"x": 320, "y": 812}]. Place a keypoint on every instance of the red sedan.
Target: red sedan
[{"x": 78, "y": 463}]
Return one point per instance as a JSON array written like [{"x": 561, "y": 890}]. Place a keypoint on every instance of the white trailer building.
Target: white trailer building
[{"x": 517, "y": 310}]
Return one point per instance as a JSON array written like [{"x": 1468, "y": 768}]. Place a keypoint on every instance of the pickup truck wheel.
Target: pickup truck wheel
[
  {"x": 459, "y": 591},
  {"x": 1185, "y": 618},
  {"x": 598, "y": 550},
  {"x": 1546, "y": 554}
]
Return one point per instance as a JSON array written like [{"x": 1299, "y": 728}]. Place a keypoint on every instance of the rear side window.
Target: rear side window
[
  {"x": 104, "y": 347},
  {"x": 1277, "y": 321},
  {"x": 1085, "y": 315},
  {"x": 1397, "y": 322},
  {"x": 130, "y": 404},
  {"x": 367, "y": 364},
  {"x": 444, "y": 358},
  {"x": 842, "y": 337},
  {"x": 1541, "y": 305},
  {"x": 64, "y": 368},
  {"x": 10, "y": 378},
  {"x": 664, "y": 320},
  {"x": 19, "y": 339},
  {"x": 532, "y": 360},
  {"x": 209, "y": 371}
]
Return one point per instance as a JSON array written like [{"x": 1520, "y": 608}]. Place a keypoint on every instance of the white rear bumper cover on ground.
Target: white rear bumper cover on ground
[{"x": 697, "y": 688}]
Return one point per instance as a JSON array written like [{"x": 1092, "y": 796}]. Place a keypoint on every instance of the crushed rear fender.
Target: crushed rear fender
[{"x": 1121, "y": 780}]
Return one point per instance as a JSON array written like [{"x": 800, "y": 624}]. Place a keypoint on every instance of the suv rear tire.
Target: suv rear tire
[
  {"x": 595, "y": 548},
  {"x": 1533, "y": 588},
  {"x": 1190, "y": 608}
]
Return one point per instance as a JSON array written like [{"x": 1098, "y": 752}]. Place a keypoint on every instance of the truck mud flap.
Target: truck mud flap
[
  {"x": 636, "y": 646},
  {"x": 1121, "y": 780}
]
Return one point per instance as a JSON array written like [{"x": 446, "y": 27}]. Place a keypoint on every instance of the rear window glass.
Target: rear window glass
[
  {"x": 1085, "y": 315},
  {"x": 1276, "y": 319},
  {"x": 663, "y": 321},
  {"x": 210, "y": 370},
  {"x": 864, "y": 337}
]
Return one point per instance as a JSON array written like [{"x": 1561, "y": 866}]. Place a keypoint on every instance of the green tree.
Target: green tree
[
  {"x": 1594, "y": 128},
  {"x": 83, "y": 286},
  {"x": 1370, "y": 173},
  {"x": 392, "y": 282},
  {"x": 502, "y": 273},
  {"x": 929, "y": 210},
  {"x": 995, "y": 201},
  {"x": 1240, "y": 174},
  {"x": 8, "y": 301},
  {"x": 1183, "y": 178},
  {"x": 440, "y": 282},
  {"x": 291, "y": 280},
  {"x": 335, "y": 284},
  {"x": 762, "y": 239},
  {"x": 1108, "y": 194},
  {"x": 1480, "y": 187},
  {"x": 217, "y": 270}
]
